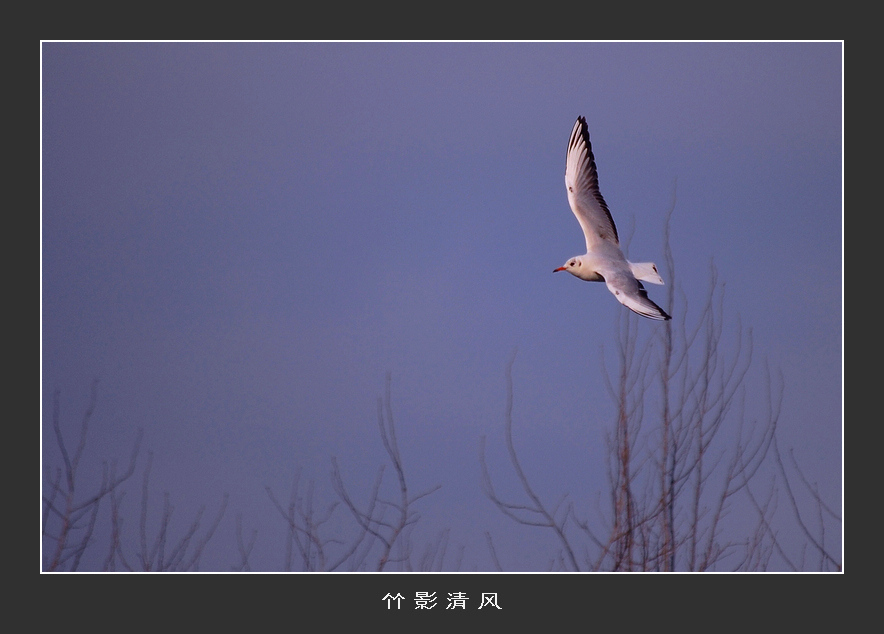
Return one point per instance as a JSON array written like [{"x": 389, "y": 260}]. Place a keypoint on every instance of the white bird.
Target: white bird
[{"x": 604, "y": 261}]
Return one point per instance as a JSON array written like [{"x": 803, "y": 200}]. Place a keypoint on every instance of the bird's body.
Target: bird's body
[{"x": 604, "y": 260}]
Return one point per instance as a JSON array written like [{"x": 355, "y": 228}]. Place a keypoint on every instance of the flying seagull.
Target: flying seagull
[{"x": 603, "y": 261}]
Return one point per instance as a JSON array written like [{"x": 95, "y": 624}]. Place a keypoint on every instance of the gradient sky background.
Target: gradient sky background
[{"x": 240, "y": 241}]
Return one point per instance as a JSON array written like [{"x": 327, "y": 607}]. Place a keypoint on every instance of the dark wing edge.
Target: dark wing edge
[{"x": 662, "y": 316}]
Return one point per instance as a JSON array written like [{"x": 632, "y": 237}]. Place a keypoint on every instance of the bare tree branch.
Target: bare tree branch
[
  {"x": 382, "y": 525},
  {"x": 534, "y": 513}
]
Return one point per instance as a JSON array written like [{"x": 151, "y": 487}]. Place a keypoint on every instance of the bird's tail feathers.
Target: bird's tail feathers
[{"x": 646, "y": 272}]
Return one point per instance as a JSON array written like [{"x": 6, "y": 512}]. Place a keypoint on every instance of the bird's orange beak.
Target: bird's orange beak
[{"x": 561, "y": 268}]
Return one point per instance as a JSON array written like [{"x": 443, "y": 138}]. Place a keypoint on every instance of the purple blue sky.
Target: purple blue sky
[{"x": 240, "y": 241}]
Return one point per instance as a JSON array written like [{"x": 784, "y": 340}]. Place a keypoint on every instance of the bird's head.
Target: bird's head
[
  {"x": 579, "y": 266},
  {"x": 573, "y": 266}
]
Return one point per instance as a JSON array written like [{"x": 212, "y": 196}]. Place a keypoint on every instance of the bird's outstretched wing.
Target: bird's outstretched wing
[
  {"x": 582, "y": 183},
  {"x": 634, "y": 296}
]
